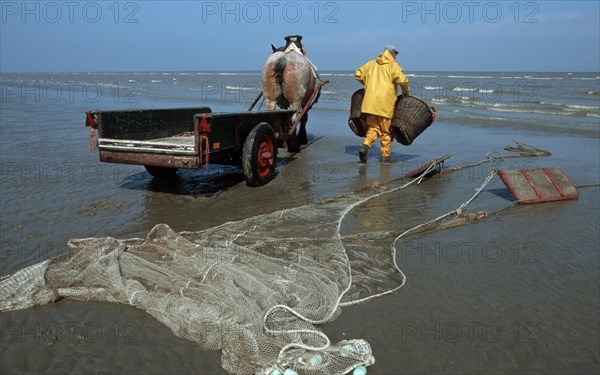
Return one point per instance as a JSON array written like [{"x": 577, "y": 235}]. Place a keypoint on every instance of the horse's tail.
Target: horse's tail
[{"x": 278, "y": 68}]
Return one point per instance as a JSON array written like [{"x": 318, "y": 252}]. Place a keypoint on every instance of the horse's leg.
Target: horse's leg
[
  {"x": 302, "y": 137},
  {"x": 293, "y": 85},
  {"x": 307, "y": 94},
  {"x": 270, "y": 87},
  {"x": 293, "y": 141},
  {"x": 270, "y": 104},
  {"x": 271, "y": 91},
  {"x": 298, "y": 89}
]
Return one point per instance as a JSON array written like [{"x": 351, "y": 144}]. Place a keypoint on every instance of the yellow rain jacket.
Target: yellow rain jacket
[{"x": 381, "y": 77}]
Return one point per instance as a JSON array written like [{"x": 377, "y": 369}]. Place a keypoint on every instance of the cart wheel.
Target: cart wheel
[
  {"x": 161, "y": 172},
  {"x": 259, "y": 155}
]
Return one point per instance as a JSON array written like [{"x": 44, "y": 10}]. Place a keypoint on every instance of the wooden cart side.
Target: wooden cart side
[
  {"x": 148, "y": 136},
  {"x": 146, "y": 124},
  {"x": 151, "y": 159},
  {"x": 228, "y": 131}
]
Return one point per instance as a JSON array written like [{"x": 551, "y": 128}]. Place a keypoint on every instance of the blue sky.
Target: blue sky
[{"x": 339, "y": 35}]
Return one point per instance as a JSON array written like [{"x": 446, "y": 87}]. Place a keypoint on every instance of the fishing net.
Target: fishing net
[{"x": 256, "y": 289}]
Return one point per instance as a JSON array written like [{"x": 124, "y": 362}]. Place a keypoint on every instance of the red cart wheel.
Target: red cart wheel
[{"x": 259, "y": 155}]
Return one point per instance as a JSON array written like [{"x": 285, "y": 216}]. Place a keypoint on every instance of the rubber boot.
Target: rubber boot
[
  {"x": 388, "y": 160},
  {"x": 362, "y": 153}
]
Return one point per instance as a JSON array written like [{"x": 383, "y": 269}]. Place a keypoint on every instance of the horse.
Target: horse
[{"x": 288, "y": 81}]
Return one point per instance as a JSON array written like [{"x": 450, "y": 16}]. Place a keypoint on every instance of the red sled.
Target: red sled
[{"x": 538, "y": 185}]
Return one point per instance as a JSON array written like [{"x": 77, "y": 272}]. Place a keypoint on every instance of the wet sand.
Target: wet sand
[{"x": 515, "y": 293}]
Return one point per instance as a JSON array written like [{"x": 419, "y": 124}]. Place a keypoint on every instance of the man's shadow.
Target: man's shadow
[{"x": 375, "y": 153}]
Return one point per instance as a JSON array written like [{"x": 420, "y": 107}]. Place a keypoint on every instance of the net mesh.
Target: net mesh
[{"x": 256, "y": 289}]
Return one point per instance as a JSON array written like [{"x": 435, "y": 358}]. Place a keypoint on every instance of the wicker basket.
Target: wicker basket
[
  {"x": 357, "y": 121},
  {"x": 411, "y": 117}
]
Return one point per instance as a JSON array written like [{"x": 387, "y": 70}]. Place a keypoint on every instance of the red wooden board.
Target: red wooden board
[
  {"x": 538, "y": 185},
  {"x": 417, "y": 172}
]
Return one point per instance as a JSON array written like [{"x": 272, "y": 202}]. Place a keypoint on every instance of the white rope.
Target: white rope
[
  {"x": 341, "y": 295},
  {"x": 411, "y": 230},
  {"x": 487, "y": 180}
]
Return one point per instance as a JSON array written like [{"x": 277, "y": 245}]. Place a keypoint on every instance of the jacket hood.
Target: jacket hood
[{"x": 385, "y": 57}]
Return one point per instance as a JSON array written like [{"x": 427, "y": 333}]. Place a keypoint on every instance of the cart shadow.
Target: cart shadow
[{"x": 204, "y": 182}]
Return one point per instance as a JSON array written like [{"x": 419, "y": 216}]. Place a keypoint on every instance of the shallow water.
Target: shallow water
[{"x": 517, "y": 292}]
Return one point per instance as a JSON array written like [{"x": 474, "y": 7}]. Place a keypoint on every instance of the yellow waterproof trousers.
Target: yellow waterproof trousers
[{"x": 379, "y": 127}]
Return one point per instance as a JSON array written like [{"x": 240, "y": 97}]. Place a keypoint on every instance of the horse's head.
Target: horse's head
[{"x": 296, "y": 39}]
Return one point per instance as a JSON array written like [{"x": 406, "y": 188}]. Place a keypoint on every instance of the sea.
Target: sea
[
  {"x": 517, "y": 293},
  {"x": 561, "y": 102}
]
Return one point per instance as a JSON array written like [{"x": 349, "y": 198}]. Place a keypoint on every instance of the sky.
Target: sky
[{"x": 69, "y": 35}]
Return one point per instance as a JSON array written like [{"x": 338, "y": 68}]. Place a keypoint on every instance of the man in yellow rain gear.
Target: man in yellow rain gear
[{"x": 380, "y": 77}]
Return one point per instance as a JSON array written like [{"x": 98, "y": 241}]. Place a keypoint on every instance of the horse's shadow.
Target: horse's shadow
[{"x": 293, "y": 155}]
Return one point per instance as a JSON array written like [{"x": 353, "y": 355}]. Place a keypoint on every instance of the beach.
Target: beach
[{"x": 517, "y": 292}]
